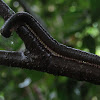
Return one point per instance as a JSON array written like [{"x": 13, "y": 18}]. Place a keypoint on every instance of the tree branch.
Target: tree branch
[
  {"x": 12, "y": 58},
  {"x": 37, "y": 57}
]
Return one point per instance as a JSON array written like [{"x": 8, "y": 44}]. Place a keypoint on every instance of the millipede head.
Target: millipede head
[{"x": 5, "y": 33}]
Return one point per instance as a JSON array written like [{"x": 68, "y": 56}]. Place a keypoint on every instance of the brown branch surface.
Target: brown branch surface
[{"x": 37, "y": 57}]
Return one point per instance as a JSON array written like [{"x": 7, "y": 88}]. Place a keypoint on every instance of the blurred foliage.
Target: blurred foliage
[{"x": 72, "y": 22}]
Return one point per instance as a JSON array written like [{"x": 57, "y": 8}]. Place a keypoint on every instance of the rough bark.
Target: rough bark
[{"x": 37, "y": 57}]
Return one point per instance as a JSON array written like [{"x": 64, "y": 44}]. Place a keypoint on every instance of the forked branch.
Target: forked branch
[{"x": 38, "y": 56}]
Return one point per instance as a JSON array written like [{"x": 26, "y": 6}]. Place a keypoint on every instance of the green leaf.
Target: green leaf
[
  {"x": 95, "y": 9},
  {"x": 89, "y": 42},
  {"x": 34, "y": 75}
]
